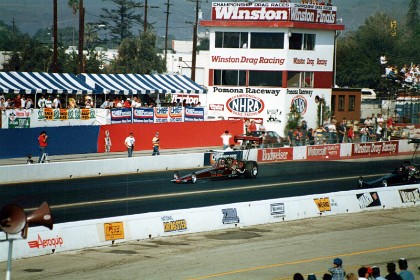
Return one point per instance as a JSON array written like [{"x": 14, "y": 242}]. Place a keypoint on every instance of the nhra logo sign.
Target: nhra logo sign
[
  {"x": 245, "y": 105},
  {"x": 300, "y": 103}
]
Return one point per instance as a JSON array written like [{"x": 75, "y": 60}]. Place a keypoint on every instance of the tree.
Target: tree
[
  {"x": 204, "y": 44},
  {"x": 412, "y": 17},
  {"x": 139, "y": 56},
  {"x": 120, "y": 21}
]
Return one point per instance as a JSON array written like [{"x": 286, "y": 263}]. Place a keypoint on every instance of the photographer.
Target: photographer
[{"x": 42, "y": 140}]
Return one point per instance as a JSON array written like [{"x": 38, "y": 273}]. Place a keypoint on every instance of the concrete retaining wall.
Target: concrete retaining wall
[{"x": 104, "y": 232}]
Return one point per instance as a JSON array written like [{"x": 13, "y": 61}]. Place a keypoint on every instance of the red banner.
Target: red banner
[{"x": 278, "y": 154}]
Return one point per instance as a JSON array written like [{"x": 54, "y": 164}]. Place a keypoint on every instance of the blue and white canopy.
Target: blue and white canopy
[
  {"x": 129, "y": 84},
  {"x": 39, "y": 82}
]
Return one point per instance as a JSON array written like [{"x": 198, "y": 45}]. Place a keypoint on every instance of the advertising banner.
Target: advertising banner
[
  {"x": 175, "y": 114},
  {"x": 143, "y": 115},
  {"x": 19, "y": 119},
  {"x": 320, "y": 152},
  {"x": 378, "y": 148},
  {"x": 193, "y": 114},
  {"x": 278, "y": 154},
  {"x": 161, "y": 114},
  {"x": 121, "y": 115},
  {"x": 50, "y": 114}
]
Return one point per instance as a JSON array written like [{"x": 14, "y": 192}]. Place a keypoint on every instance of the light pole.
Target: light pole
[
  {"x": 55, "y": 52},
  {"x": 166, "y": 30},
  {"x": 81, "y": 36},
  {"x": 336, "y": 35}
]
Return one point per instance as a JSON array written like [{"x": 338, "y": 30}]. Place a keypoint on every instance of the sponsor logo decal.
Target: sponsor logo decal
[
  {"x": 46, "y": 243},
  {"x": 410, "y": 195},
  {"x": 230, "y": 216},
  {"x": 245, "y": 105},
  {"x": 323, "y": 204},
  {"x": 114, "y": 231},
  {"x": 300, "y": 103},
  {"x": 369, "y": 199},
  {"x": 277, "y": 209}
]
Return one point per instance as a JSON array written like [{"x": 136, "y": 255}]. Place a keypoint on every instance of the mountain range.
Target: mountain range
[{"x": 29, "y": 16}]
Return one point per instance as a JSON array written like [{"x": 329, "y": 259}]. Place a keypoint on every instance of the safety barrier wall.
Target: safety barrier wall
[
  {"x": 91, "y": 168},
  {"x": 106, "y": 167},
  {"x": 16, "y": 143},
  {"x": 104, "y": 232}
]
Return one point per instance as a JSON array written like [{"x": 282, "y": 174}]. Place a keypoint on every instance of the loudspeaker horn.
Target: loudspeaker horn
[
  {"x": 12, "y": 218},
  {"x": 41, "y": 216}
]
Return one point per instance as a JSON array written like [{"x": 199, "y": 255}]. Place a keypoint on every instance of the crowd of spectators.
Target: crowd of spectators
[
  {"x": 407, "y": 76},
  {"x": 373, "y": 128},
  {"x": 337, "y": 272}
]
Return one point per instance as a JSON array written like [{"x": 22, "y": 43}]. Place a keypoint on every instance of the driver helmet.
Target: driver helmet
[{"x": 338, "y": 261}]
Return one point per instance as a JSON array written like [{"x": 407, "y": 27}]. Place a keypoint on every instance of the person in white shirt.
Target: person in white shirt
[
  {"x": 48, "y": 103},
  {"x": 23, "y": 102},
  {"x": 106, "y": 104},
  {"x": 29, "y": 103},
  {"x": 41, "y": 102},
  {"x": 129, "y": 143},
  {"x": 57, "y": 102}
]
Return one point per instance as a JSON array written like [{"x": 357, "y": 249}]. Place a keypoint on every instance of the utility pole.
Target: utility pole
[
  {"x": 166, "y": 31},
  {"x": 145, "y": 16},
  {"x": 194, "y": 50},
  {"x": 55, "y": 31},
  {"x": 81, "y": 35}
]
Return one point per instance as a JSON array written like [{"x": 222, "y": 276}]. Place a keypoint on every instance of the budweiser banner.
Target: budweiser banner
[{"x": 278, "y": 154}]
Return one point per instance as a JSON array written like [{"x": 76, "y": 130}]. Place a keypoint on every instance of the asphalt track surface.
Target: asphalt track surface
[
  {"x": 274, "y": 251},
  {"x": 92, "y": 198}
]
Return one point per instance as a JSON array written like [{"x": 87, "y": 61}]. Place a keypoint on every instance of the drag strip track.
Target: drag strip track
[{"x": 81, "y": 199}]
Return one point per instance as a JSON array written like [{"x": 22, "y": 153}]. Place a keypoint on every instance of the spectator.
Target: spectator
[
  {"x": 351, "y": 276},
  {"x": 127, "y": 103},
  {"x": 379, "y": 132},
  {"x": 404, "y": 274},
  {"x": 342, "y": 130},
  {"x": 252, "y": 127},
  {"x": 106, "y": 104},
  {"x": 226, "y": 139},
  {"x": 298, "y": 135},
  {"x": 311, "y": 276},
  {"x": 136, "y": 102},
  {"x": 327, "y": 276},
  {"x": 383, "y": 61},
  {"x": 264, "y": 140},
  {"x": 337, "y": 270},
  {"x": 329, "y": 3},
  {"x": 350, "y": 134},
  {"x": 29, "y": 104},
  {"x": 41, "y": 102},
  {"x": 290, "y": 137},
  {"x": 8, "y": 103},
  {"x": 108, "y": 142},
  {"x": 261, "y": 127},
  {"x": 392, "y": 275},
  {"x": 2, "y": 104},
  {"x": 363, "y": 273},
  {"x": 155, "y": 143},
  {"x": 376, "y": 273},
  {"x": 72, "y": 103},
  {"x": 57, "y": 102},
  {"x": 48, "y": 103},
  {"x": 42, "y": 141},
  {"x": 88, "y": 103},
  {"x": 363, "y": 133},
  {"x": 129, "y": 143},
  {"x": 23, "y": 102},
  {"x": 17, "y": 102},
  {"x": 298, "y": 276}
]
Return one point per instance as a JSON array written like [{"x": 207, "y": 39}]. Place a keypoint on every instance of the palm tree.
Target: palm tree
[{"x": 74, "y": 5}]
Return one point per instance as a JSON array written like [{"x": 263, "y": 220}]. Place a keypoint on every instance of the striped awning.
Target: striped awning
[
  {"x": 40, "y": 82},
  {"x": 128, "y": 84}
]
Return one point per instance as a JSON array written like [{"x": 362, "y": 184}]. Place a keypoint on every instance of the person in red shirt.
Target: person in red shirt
[
  {"x": 252, "y": 127},
  {"x": 42, "y": 140},
  {"x": 127, "y": 103}
]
